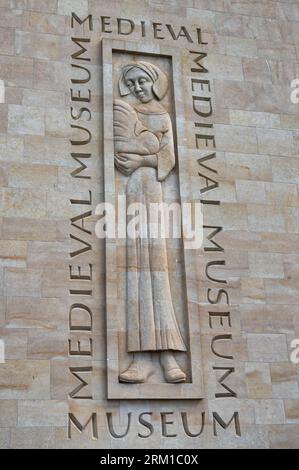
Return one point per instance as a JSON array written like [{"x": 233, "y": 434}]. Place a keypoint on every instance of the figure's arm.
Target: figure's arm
[
  {"x": 150, "y": 160},
  {"x": 166, "y": 155},
  {"x": 129, "y": 162}
]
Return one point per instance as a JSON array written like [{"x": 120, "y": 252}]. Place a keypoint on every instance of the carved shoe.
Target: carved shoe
[
  {"x": 172, "y": 371},
  {"x": 136, "y": 373},
  {"x": 175, "y": 375}
]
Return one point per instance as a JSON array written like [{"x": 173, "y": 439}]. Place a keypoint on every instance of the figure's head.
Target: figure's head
[
  {"x": 140, "y": 84},
  {"x": 144, "y": 81}
]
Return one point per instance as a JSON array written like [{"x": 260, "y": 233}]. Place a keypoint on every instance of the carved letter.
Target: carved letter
[
  {"x": 219, "y": 295},
  {"x": 81, "y": 217},
  {"x": 119, "y": 26},
  {"x": 210, "y": 237},
  {"x": 219, "y": 420},
  {"x": 81, "y": 327},
  {"x": 215, "y": 263},
  {"x": 81, "y": 142},
  {"x": 79, "y": 351},
  {"x": 220, "y": 315},
  {"x": 77, "y": 156},
  {"x": 186, "y": 427},
  {"x": 165, "y": 423},
  {"x": 182, "y": 33},
  {"x": 111, "y": 430},
  {"x": 79, "y": 21},
  {"x": 73, "y": 420},
  {"x": 231, "y": 393},
  {"x": 82, "y": 80},
  {"x": 73, "y": 371},
  {"x": 201, "y": 69},
  {"x": 145, "y": 423},
  {"x": 76, "y": 55},
  {"x": 204, "y": 114},
  {"x": 219, "y": 338},
  {"x": 105, "y": 20},
  {"x": 81, "y": 250}
]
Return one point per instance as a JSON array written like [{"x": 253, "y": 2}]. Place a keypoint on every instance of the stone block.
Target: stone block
[
  {"x": 267, "y": 347},
  {"x": 42, "y": 46},
  {"x": 251, "y": 191},
  {"x": 224, "y": 67},
  {"x": 284, "y": 437},
  {"x": 267, "y": 318},
  {"x": 291, "y": 219},
  {"x": 50, "y": 75},
  {"x": 16, "y": 71},
  {"x": 232, "y": 25},
  {"x": 266, "y": 265},
  {"x": 282, "y": 291},
  {"x": 248, "y": 167},
  {"x": 3, "y": 118},
  {"x": 253, "y": 290},
  {"x": 284, "y": 380},
  {"x": 269, "y": 412},
  {"x": 5, "y": 438},
  {"x": 32, "y": 176},
  {"x": 282, "y": 193},
  {"x": 47, "y": 6},
  {"x": 285, "y": 170},
  {"x": 46, "y": 23},
  {"x": 255, "y": 119},
  {"x": 236, "y": 139},
  {"x": 3, "y": 177},
  {"x": 21, "y": 282},
  {"x": 11, "y": 148},
  {"x": 46, "y": 413},
  {"x": 265, "y": 218},
  {"x": 26, "y": 120},
  {"x": 25, "y": 380},
  {"x": 43, "y": 98},
  {"x": 55, "y": 151},
  {"x": 256, "y": 70},
  {"x": 32, "y": 313},
  {"x": 258, "y": 380},
  {"x": 241, "y": 47},
  {"x": 6, "y": 41},
  {"x": 66, "y": 7},
  {"x": 8, "y": 413},
  {"x": 13, "y": 19},
  {"x": 33, "y": 438},
  {"x": 43, "y": 344},
  {"x": 275, "y": 143},
  {"x": 23, "y": 203},
  {"x": 19, "y": 228},
  {"x": 15, "y": 343}
]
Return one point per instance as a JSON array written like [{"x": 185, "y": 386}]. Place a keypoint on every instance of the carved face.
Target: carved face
[{"x": 139, "y": 84}]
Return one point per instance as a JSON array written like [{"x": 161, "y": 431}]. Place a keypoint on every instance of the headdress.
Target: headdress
[{"x": 159, "y": 79}]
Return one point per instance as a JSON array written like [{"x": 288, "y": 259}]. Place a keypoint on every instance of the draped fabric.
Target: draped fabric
[{"x": 151, "y": 320}]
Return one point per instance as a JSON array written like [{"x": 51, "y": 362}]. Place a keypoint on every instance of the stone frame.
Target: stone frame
[{"x": 115, "y": 389}]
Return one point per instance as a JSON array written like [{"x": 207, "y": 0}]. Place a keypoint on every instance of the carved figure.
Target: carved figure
[{"x": 144, "y": 152}]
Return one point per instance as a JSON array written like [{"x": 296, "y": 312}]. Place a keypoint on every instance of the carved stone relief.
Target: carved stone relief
[
  {"x": 150, "y": 326},
  {"x": 144, "y": 152}
]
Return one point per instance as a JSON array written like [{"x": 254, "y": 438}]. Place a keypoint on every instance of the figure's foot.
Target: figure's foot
[
  {"x": 137, "y": 372},
  {"x": 172, "y": 371}
]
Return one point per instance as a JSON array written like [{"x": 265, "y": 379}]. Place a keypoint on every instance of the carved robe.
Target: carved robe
[{"x": 146, "y": 129}]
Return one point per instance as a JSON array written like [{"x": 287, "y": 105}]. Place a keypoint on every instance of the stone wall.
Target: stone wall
[{"x": 253, "y": 54}]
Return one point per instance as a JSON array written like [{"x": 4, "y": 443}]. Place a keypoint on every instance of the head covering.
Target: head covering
[{"x": 159, "y": 79}]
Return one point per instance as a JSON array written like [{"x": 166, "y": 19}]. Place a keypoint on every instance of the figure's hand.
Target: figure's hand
[{"x": 126, "y": 163}]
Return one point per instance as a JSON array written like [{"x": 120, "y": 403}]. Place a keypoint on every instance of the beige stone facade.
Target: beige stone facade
[{"x": 243, "y": 295}]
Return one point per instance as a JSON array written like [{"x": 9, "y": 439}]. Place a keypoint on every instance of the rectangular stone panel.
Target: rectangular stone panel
[{"x": 153, "y": 347}]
